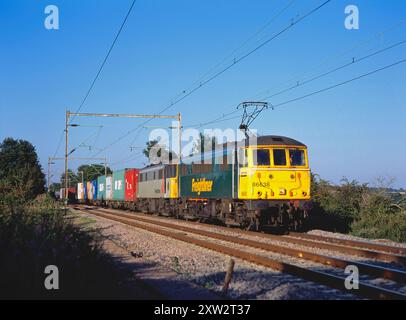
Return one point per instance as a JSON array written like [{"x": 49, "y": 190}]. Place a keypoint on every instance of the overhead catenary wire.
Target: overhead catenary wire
[
  {"x": 218, "y": 119},
  {"x": 246, "y": 55},
  {"x": 105, "y": 59},
  {"x": 96, "y": 139},
  {"x": 83, "y": 143},
  {"x": 260, "y": 30},
  {"x": 341, "y": 83},
  {"x": 62, "y": 135},
  {"x": 59, "y": 143},
  {"x": 358, "y": 44},
  {"x": 222, "y": 71},
  {"x": 309, "y": 94},
  {"x": 234, "y": 51},
  {"x": 245, "y": 42},
  {"x": 352, "y": 62},
  {"x": 323, "y": 89},
  {"x": 130, "y": 158}
]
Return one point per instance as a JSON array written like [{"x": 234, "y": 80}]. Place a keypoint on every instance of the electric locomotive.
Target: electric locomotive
[
  {"x": 252, "y": 186},
  {"x": 249, "y": 185}
]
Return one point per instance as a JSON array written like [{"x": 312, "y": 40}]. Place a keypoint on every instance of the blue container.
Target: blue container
[
  {"x": 94, "y": 189},
  {"x": 91, "y": 190},
  {"x": 85, "y": 190}
]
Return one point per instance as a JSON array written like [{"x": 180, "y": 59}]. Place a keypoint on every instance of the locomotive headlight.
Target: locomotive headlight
[{"x": 282, "y": 191}]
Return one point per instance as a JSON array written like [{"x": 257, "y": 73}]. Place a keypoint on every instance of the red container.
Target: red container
[{"x": 131, "y": 184}]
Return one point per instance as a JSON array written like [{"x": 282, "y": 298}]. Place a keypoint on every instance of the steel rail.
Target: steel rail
[
  {"x": 366, "y": 253},
  {"x": 364, "y": 290},
  {"x": 348, "y": 242},
  {"x": 370, "y": 269}
]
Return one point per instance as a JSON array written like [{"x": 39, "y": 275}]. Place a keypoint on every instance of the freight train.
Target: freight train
[{"x": 266, "y": 184}]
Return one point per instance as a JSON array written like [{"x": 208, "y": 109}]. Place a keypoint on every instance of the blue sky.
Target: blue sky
[{"x": 357, "y": 130}]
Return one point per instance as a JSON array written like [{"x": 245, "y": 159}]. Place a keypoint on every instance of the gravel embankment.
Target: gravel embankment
[
  {"x": 307, "y": 264},
  {"x": 231, "y": 232},
  {"x": 207, "y": 268}
]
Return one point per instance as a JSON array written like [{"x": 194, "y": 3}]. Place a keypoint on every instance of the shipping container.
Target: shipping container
[
  {"x": 109, "y": 188},
  {"x": 131, "y": 184},
  {"x": 85, "y": 190},
  {"x": 89, "y": 191},
  {"x": 92, "y": 190},
  {"x": 94, "y": 182},
  {"x": 118, "y": 184},
  {"x": 71, "y": 194},
  {"x": 81, "y": 191},
  {"x": 101, "y": 188}
]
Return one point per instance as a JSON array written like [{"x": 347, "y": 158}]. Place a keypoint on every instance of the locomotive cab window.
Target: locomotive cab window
[
  {"x": 296, "y": 157},
  {"x": 170, "y": 171},
  {"x": 242, "y": 157},
  {"x": 279, "y": 157},
  {"x": 261, "y": 157}
]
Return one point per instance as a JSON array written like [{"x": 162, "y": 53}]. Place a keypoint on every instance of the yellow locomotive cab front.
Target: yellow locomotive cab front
[{"x": 274, "y": 172}]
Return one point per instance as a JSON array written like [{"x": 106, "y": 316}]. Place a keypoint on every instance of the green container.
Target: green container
[
  {"x": 101, "y": 188},
  {"x": 119, "y": 185},
  {"x": 212, "y": 185}
]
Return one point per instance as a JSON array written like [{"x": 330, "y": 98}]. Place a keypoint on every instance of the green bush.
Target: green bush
[
  {"x": 380, "y": 218},
  {"x": 35, "y": 232},
  {"x": 41, "y": 234},
  {"x": 335, "y": 207},
  {"x": 357, "y": 209},
  {"x": 381, "y": 226}
]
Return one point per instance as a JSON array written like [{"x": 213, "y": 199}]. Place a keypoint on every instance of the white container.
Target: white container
[
  {"x": 81, "y": 191},
  {"x": 109, "y": 188}
]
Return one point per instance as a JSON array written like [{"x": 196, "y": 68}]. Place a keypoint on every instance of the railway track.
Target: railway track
[
  {"x": 186, "y": 234},
  {"x": 351, "y": 243},
  {"x": 350, "y": 247}
]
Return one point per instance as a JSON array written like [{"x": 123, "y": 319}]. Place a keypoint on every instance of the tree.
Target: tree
[
  {"x": 73, "y": 179},
  {"x": 55, "y": 186},
  {"x": 205, "y": 143},
  {"x": 91, "y": 172},
  {"x": 150, "y": 144},
  {"x": 20, "y": 168},
  {"x": 157, "y": 153}
]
